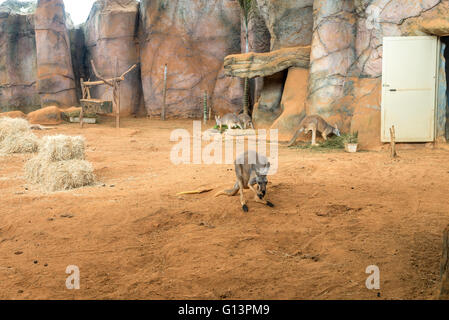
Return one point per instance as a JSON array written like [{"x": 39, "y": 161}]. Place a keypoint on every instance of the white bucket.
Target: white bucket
[{"x": 351, "y": 147}]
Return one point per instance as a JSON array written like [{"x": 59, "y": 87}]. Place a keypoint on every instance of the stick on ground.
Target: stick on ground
[{"x": 393, "y": 142}]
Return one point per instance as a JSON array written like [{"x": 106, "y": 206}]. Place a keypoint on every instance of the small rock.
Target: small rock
[
  {"x": 18, "y": 252},
  {"x": 35, "y": 261}
]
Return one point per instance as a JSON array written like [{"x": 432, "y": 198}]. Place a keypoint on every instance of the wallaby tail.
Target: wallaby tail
[
  {"x": 295, "y": 136},
  {"x": 230, "y": 192}
]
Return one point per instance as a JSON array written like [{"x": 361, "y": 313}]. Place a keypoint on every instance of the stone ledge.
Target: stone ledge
[{"x": 251, "y": 65}]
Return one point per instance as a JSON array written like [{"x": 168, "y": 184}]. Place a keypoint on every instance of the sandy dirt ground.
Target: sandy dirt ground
[{"x": 132, "y": 237}]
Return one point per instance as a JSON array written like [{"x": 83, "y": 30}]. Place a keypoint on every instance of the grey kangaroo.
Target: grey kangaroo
[
  {"x": 314, "y": 123},
  {"x": 245, "y": 121},
  {"x": 229, "y": 119},
  {"x": 251, "y": 169}
]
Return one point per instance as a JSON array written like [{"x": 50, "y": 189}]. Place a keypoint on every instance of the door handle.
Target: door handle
[{"x": 393, "y": 90}]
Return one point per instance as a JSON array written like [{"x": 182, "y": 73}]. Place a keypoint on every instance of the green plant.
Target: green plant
[
  {"x": 351, "y": 138},
  {"x": 334, "y": 143},
  {"x": 225, "y": 127}
]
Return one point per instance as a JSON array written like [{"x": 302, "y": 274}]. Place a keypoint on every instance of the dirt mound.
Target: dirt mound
[
  {"x": 13, "y": 114},
  {"x": 45, "y": 116}
]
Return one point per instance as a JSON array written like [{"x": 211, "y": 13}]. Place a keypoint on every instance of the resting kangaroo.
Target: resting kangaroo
[
  {"x": 314, "y": 123},
  {"x": 229, "y": 119},
  {"x": 250, "y": 169}
]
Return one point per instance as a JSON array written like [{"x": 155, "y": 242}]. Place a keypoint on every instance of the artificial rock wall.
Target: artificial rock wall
[
  {"x": 55, "y": 77},
  {"x": 192, "y": 37},
  {"x": 18, "y": 66},
  {"x": 111, "y": 36}
]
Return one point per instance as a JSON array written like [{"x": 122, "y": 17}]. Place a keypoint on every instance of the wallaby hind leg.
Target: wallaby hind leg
[
  {"x": 258, "y": 200},
  {"x": 232, "y": 192},
  {"x": 242, "y": 197},
  {"x": 295, "y": 136},
  {"x": 314, "y": 137}
]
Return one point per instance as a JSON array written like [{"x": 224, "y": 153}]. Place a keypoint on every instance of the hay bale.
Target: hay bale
[
  {"x": 17, "y": 137},
  {"x": 59, "y": 175},
  {"x": 9, "y": 126},
  {"x": 60, "y": 164},
  {"x": 62, "y": 148},
  {"x": 20, "y": 142}
]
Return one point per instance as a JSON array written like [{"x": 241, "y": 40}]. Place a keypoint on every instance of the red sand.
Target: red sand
[{"x": 336, "y": 213}]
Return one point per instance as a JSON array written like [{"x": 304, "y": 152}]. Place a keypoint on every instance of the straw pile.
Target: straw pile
[
  {"x": 60, "y": 164},
  {"x": 16, "y": 136}
]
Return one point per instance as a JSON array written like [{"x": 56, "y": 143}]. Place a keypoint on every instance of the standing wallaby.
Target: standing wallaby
[
  {"x": 314, "y": 123},
  {"x": 250, "y": 169},
  {"x": 229, "y": 119},
  {"x": 245, "y": 121}
]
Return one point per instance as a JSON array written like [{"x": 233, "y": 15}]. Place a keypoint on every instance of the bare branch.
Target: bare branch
[{"x": 99, "y": 76}]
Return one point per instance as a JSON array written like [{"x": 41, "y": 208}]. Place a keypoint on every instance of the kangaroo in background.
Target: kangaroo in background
[
  {"x": 314, "y": 123},
  {"x": 245, "y": 121},
  {"x": 248, "y": 175},
  {"x": 229, "y": 119}
]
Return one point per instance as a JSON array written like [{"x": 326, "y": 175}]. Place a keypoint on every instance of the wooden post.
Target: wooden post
[
  {"x": 83, "y": 96},
  {"x": 116, "y": 94},
  {"x": 393, "y": 142},
  {"x": 164, "y": 93},
  {"x": 82, "y": 117},
  {"x": 205, "y": 107}
]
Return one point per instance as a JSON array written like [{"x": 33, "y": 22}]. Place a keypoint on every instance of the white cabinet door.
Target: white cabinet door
[{"x": 409, "y": 69}]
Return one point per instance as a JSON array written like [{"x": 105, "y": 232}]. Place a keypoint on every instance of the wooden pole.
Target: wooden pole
[
  {"x": 393, "y": 142},
  {"x": 205, "y": 107},
  {"x": 116, "y": 96},
  {"x": 83, "y": 96},
  {"x": 164, "y": 94}
]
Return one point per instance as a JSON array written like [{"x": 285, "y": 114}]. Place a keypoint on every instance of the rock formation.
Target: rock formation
[
  {"x": 56, "y": 81},
  {"x": 111, "y": 33},
  {"x": 251, "y": 65},
  {"x": 192, "y": 37},
  {"x": 332, "y": 55},
  {"x": 18, "y": 69},
  {"x": 289, "y": 22}
]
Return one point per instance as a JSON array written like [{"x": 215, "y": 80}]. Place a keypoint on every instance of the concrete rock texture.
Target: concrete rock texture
[
  {"x": 18, "y": 67},
  {"x": 110, "y": 33},
  {"x": 56, "y": 81},
  {"x": 192, "y": 37},
  {"x": 289, "y": 22}
]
